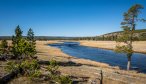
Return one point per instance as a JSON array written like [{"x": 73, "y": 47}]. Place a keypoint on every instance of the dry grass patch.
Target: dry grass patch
[{"x": 138, "y": 46}]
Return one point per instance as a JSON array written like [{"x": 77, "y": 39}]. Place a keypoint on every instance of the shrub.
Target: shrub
[
  {"x": 24, "y": 49},
  {"x": 64, "y": 80},
  {"x": 30, "y": 67},
  {"x": 35, "y": 74},
  {"x": 30, "y": 50},
  {"x": 12, "y": 66},
  {"x": 4, "y": 47},
  {"x": 19, "y": 48},
  {"x": 53, "y": 67}
]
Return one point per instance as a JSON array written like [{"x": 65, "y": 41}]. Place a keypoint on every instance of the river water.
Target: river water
[{"x": 138, "y": 60}]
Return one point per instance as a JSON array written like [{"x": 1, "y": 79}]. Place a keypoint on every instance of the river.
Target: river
[{"x": 138, "y": 60}]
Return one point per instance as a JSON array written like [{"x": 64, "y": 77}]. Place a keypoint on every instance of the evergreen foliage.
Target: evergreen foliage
[
  {"x": 60, "y": 79},
  {"x": 127, "y": 37},
  {"x": 64, "y": 80},
  {"x": 4, "y": 47},
  {"x": 52, "y": 67},
  {"x": 23, "y": 48},
  {"x": 18, "y": 42},
  {"x": 31, "y": 51}
]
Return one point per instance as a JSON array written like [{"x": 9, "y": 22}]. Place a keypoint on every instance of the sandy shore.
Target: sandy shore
[
  {"x": 87, "y": 69},
  {"x": 138, "y": 46}
]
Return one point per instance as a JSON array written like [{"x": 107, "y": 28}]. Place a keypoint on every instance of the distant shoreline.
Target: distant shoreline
[
  {"x": 113, "y": 49},
  {"x": 110, "y": 45}
]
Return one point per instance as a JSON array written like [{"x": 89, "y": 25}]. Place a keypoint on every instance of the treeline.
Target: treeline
[
  {"x": 40, "y": 38},
  {"x": 110, "y": 38},
  {"x": 139, "y": 35},
  {"x": 98, "y": 38}
]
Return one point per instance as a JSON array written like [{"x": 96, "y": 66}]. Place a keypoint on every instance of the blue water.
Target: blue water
[{"x": 103, "y": 55}]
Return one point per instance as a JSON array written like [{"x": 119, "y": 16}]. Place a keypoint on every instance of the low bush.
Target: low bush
[
  {"x": 12, "y": 66},
  {"x": 29, "y": 68},
  {"x": 64, "y": 80},
  {"x": 52, "y": 67},
  {"x": 57, "y": 78}
]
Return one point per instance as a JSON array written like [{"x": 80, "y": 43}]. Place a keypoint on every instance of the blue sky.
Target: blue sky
[{"x": 65, "y": 17}]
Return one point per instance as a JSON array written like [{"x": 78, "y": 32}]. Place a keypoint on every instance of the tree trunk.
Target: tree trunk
[
  {"x": 129, "y": 62},
  {"x": 101, "y": 79}
]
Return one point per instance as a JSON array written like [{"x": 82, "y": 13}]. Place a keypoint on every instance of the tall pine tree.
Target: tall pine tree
[
  {"x": 18, "y": 35},
  {"x": 31, "y": 51},
  {"x": 16, "y": 40},
  {"x": 30, "y": 36},
  {"x": 125, "y": 41}
]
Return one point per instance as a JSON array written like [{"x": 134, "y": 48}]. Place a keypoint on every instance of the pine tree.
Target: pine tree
[
  {"x": 30, "y": 36},
  {"x": 128, "y": 25},
  {"x": 18, "y": 35},
  {"x": 31, "y": 51},
  {"x": 16, "y": 40}
]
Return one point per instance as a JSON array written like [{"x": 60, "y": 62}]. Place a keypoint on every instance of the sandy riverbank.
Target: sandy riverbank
[
  {"x": 88, "y": 69},
  {"x": 138, "y": 46}
]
